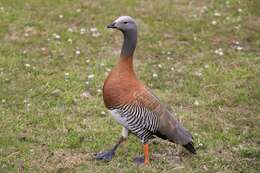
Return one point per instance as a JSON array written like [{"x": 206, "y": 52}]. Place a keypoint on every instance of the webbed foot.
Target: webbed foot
[{"x": 106, "y": 155}]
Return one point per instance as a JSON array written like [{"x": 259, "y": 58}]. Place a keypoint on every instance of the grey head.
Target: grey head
[
  {"x": 124, "y": 24},
  {"x": 128, "y": 26}
]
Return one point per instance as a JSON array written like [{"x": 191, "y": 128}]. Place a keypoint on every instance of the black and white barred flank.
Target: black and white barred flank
[{"x": 137, "y": 119}]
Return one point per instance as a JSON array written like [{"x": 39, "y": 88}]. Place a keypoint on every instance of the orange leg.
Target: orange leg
[{"x": 146, "y": 154}]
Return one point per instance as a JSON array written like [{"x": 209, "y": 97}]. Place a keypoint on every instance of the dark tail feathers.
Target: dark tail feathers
[{"x": 189, "y": 146}]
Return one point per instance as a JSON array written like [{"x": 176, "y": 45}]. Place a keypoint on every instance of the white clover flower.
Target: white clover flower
[
  {"x": 214, "y": 22},
  {"x": 217, "y": 14},
  {"x": 77, "y": 52},
  {"x": 3, "y": 100},
  {"x": 172, "y": 68},
  {"x": 27, "y": 65},
  {"x": 82, "y": 30},
  {"x": 200, "y": 144},
  {"x": 206, "y": 66},
  {"x": 87, "y": 61},
  {"x": 198, "y": 74},
  {"x": 93, "y": 29},
  {"x": 91, "y": 76},
  {"x": 99, "y": 90},
  {"x": 196, "y": 103},
  {"x": 70, "y": 30},
  {"x": 60, "y": 16},
  {"x": 66, "y": 74},
  {"x": 236, "y": 42},
  {"x": 159, "y": 65},
  {"x": 78, "y": 10},
  {"x": 87, "y": 82},
  {"x": 239, "y": 48},
  {"x": 56, "y": 36},
  {"x": 43, "y": 49},
  {"x": 239, "y": 10},
  {"x": 219, "y": 52},
  {"x": 96, "y": 34},
  {"x": 103, "y": 113},
  {"x": 69, "y": 40},
  {"x": 26, "y": 34},
  {"x": 155, "y": 75}
]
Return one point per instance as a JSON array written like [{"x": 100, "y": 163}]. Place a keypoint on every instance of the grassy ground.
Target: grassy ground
[{"x": 202, "y": 58}]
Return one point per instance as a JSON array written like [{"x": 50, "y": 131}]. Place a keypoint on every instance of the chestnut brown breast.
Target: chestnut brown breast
[{"x": 121, "y": 84}]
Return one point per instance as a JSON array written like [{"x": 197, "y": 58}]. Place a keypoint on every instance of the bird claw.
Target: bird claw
[{"x": 106, "y": 155}]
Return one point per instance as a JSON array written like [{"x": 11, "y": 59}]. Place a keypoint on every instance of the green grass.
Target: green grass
[{"x": 46, "y": 126}]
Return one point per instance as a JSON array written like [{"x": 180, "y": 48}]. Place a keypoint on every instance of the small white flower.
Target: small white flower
[
  {"x": 239, "y": 48},
  {"x": 172, "y": 68},
  {"x": 43, "y": 49},
  {"x": 78, "y": 10},
  {"x": 96, "y": 34},
  {"x": 219, "y": 52},
  {"x": 168, "y": 53},
  {"x": 26, "y": 34},
  {"x": 87, "y": 61},
  {"x": 60, "y": 16},
  {"x": 206, "y": 66},
  {"x": 103, "y": 113},
  {"x": 155, "y": 75},
  {"x": 102, "y": 64},
  {"x": 239, "y": 10},
  {"x": 108, "y": 69},
  {"x": 217, "y": 14},
  {"x": 196, "y": 103},
  {"x": 82, "y": 30},
  {"x": 236, "y": 42},
  {"x": 214, "y": 22},
  {"x": 27, "y": 65},
  {"x": 77, "y": 52},
  {"x": 198, "y": 74},
  {"x": 66, "y": 74},
  {"x": 99, "y": 90},
  {"x": 106, "y": 73},
  {"x": 93, "y": 29},
  {"x": 87, "y": 82},
  {"x": 70, "y": 30},
  {"x": 159, "y": 65},
  {"x": 69, "y": 40},
  {"x": 195, "y": 134},
  {"x": 56, "y": 36},
  {"x": 91, "y": 76},
  {"x": 24, "y": 52},
  {"x": 200, "y": 144},
  {"x": 227, "y": 18},
  {"x": 3, "y": 100}
]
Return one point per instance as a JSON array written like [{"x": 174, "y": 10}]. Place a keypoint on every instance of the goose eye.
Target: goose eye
[{"x": 125, "y": 22}]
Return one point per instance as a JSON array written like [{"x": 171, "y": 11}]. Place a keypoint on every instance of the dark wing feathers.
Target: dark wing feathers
[{"x": 169, "y": 127}]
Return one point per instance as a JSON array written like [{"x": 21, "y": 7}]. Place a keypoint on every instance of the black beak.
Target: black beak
[{"x": 112, "y": 25}]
